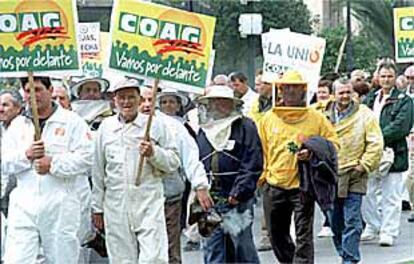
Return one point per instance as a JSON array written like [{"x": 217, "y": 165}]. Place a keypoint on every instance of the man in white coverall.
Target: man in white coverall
[
  {"x": 133, "y": 216},
  {"x": 44, "y": 207},
  {"x": 11, "y": 103}
]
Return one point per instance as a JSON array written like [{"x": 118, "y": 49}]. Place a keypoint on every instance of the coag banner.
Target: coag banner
[
  {"x": 404, "y": 34},
  {"x": 38, "y": 35},
  {"x": 283, "y": 50},
  {"x": 150, "y": 40}
]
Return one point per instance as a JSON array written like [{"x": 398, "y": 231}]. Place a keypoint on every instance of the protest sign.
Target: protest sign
[
  {"x": 38, "y": 35},
  {"x": 93, "y": 63},
  {"x": 150, "y": 40},
  {"x": 88, "y": 37},
  {"x": 404, "y": 34},
  {"x": 283, "y": 50}
]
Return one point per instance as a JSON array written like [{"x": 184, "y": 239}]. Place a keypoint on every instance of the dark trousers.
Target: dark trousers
[
  {"x": 172, "y": 217},
  {"x": 279, "y": 204}
]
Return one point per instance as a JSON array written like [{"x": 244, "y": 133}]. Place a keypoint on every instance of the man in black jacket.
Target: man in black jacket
[{"x": 231, "y": 152}]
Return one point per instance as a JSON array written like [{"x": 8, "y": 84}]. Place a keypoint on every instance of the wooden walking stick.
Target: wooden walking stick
[
  {"x": 33, "y": 104},
  {"x": 147, "y": 130}
]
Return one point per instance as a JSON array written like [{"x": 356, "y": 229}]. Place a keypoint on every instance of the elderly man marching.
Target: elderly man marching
[
  {"x": 231, "y": 152},
  {"x": 11, "y": 128},
  {"x": 133, "y": 216},
  {"x": 45, "y": 207},
  {"x": 361, "y": 150},
  {"x": 293, "y": 136}
]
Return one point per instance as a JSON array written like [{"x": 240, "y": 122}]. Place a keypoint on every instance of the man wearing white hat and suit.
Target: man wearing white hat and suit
[{"x": 133, "y": 216}]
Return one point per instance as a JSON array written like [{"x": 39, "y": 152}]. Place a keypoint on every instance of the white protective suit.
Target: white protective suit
[
  {"x": 134, "y": 216},
  {"x": 16, "y": 130},
  {"x": 44, "y": 210},
  {"x": 188, "y": 152}
]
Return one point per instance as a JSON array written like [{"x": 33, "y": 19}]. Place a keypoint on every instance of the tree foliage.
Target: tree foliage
[
  {"x": 231, "y": 49},
  {"x": 365, "y": 52}
]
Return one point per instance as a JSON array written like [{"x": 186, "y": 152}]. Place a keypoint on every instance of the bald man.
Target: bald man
[{"x": 61, "y": 96}]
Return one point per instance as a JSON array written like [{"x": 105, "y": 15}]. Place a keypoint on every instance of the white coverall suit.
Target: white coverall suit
[
  {"x": 45, "y": 209},
  {"x": 10, "y": 138},
  {"x": 134, "y": 216}
]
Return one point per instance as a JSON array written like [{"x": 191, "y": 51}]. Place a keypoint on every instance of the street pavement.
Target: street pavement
[{"x": 325, "y": 253}]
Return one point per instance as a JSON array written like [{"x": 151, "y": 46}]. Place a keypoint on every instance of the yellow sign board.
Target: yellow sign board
[
  {"x": 404, "y": 34},
  {"x": 150, "y": 40},
  {"x": 38, "y": 35}
]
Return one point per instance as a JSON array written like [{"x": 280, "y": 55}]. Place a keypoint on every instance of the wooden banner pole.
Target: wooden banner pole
[
  {"x": 33, "y": 105},
  {"x": 147, "y": 130}
]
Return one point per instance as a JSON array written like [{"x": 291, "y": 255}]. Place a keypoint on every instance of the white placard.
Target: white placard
[
  {"x": 284, "y": 50},
  {"x": 88, "y": 37}
]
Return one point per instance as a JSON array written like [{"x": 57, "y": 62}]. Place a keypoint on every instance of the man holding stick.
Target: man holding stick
[
  {"x": 133, "y": 216},
  {"x": 44, "y": 207}
]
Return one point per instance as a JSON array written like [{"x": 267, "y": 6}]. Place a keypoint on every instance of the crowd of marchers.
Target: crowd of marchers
[{"x": 96, "y": 180}]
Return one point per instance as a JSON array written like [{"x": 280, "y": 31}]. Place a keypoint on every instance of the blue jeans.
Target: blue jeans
[
  {"x": 221, "y": 247},
  {"x": 347, "y": 226}
]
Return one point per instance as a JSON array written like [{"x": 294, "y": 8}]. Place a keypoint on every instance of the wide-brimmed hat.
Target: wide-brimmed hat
[
  {"x": 219, "y": 92},
  {"x": 127, "y": 83},
  {"x": 172, "y": 92},
  {"x": 291, "y": 77},
  {"x": 103, "y": 84}
]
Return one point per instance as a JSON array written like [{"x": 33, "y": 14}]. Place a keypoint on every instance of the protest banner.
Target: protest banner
[
  {"x": 284, "y": 50},
  {"x": 93, "y": 64},
  {"x": 158, "y": 42},
  {"x": 88, "y": 37},
  {"x": 404, "y": 34},
  {"x": 38, "y": 36}
]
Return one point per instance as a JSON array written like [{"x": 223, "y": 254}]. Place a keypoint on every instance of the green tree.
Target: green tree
[
  {"x": 365, "y": 52},
  {"x": 231, "y": 49},
  {"x": 376, "y": 17}
]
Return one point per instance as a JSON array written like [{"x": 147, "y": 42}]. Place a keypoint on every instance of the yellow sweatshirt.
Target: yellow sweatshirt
[{"x": 284, "y": 125}]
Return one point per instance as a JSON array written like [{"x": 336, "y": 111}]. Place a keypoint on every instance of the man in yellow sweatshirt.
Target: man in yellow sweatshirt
[
  {"x": 282, "y": 131},
  {"x": 361, "y": 150}
]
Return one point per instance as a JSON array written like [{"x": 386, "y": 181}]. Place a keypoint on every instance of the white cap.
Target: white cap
[{"x": 127, "y": 83}]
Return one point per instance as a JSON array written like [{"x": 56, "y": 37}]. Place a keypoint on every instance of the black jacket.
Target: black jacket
[
  {"x": 318, "y": 175},
  {"x": 234, "y": 172}
]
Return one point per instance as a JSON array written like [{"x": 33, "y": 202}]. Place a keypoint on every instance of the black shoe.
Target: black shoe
[
  {"x": 411, "y": 218},
  {"x": 406, "y": 206}
]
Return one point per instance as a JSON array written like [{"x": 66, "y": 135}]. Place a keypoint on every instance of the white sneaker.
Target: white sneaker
[
  {"x": 368, "y": 235},
  {"x": 326, "y": 231},
  {"x": 386, "y": 240}
]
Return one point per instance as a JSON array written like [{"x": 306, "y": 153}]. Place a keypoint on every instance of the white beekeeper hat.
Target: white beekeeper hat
[
  {"x": 219, "y": 91},
  {"x": 172, "y": 92},
  {"x": 103, "y": 84}
]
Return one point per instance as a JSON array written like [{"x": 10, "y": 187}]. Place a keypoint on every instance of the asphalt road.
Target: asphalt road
[{"x": 325, "y": 253}]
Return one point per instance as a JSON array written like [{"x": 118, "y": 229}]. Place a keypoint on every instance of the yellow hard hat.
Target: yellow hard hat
[{"x": 291, "y": 77}]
